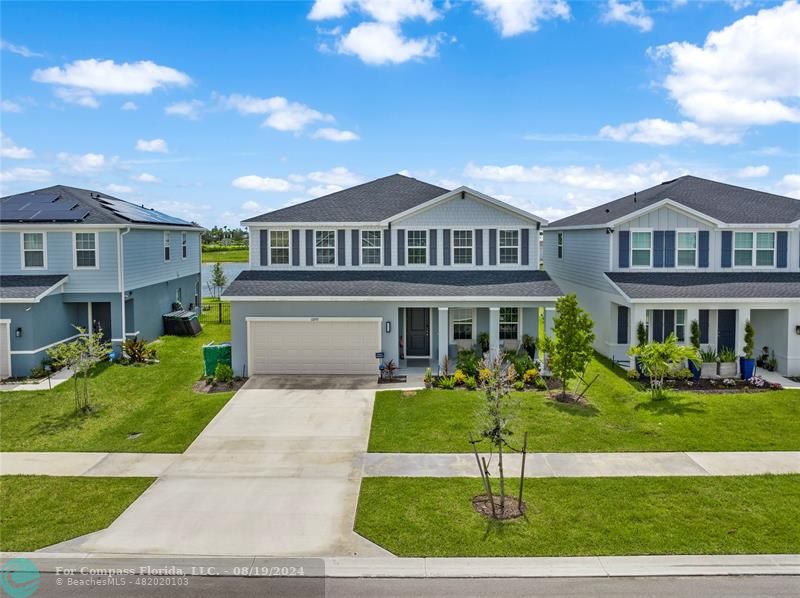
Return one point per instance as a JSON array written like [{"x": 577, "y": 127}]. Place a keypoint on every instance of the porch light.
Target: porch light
[
  {"x": 18, "y": 332},
  {"x": 389, "y": 327},
  {"x": 797, "y": 330}
]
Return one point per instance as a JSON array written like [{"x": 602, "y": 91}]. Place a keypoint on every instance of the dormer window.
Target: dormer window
[
  {"x": 325, "y": 247},
  {"x": 641, "y": 249},
  {"x": 754, "y": 249}
]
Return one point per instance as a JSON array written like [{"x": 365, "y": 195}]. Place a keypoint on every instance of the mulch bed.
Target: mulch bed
[
  {"x": 203, "y": 386},
  {"x": 711, "y": 385},
  {"x": 513, "y": 508},
  {"x": 568, "y": 398}
]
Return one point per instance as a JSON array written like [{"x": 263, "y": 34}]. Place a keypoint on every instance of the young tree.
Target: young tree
[
  {"x": 67, "y": 355},
  {"x": 81, "y": 355},
  {"x": 218, "y": 279},
  {"x": 570, "y": 351},
  {"x": 659, "y": 359}
]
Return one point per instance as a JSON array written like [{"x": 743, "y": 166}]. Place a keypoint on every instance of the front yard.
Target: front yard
[
  {"x": 586, "y": 516},
  {"x": 137, "y": 408},
  {"x": 619, "y": 417}
]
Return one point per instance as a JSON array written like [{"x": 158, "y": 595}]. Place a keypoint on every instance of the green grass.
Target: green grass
[
  {"x": 155, "y": 401},
  {"x": 618, "y": 418},
  {"x": 586, "y": 516},
  {"x": 225, "y": 254},
  {"x": 40, "y": 510}
]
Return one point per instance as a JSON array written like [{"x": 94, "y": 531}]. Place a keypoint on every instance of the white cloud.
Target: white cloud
[
  {"x": 744, "y": 74},
  {"x": 384, "y": 11},
  {"x": 258, "y": 183},
  {"x": 79, "y": 97},
  {"x": 24, "y": 174},
  {"x": 339, "y": 176},
  {"x": 381, "y": 43},
  {"x": 252, "y": 207},
  {"x": 19, "y": 50},
  {"x": 188, "y": 109},
  {"x": 631, "y": 13},
  {"x": 752, "y": 172},
  {"x": 152, "y": 145},
  {"x": 83, "y": 163},
  {"x": 738, "y": 4},
  {"x": 9, "y": 106},
  {"x": 9, "y": 149},
  {"x": 790, "y": 185},
  {"x": 130, "y": 106},
  {"x": 146, "y": 177},
  {"x": 320, "y": 190},
  {"x": 188, "y": 210},
  {"x": 513, "y": 17},
  {"x": 656, "y": 131},
  {"x": 335, "y": 135},
  {"x": 114, "y": 188},
  {"x": 283, "y": 115}
]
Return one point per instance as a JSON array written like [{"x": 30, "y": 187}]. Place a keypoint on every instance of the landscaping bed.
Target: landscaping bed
[{"x": 717, "y": 385}]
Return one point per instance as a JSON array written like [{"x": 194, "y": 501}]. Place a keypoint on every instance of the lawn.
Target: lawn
[
  {"x": 586, "y": 516},
  {"x": 619, "y": 417},
  {"x": 225, "y": 254},
  {"x": 39, "y": 510},
  {"x": 154, "y": 401}
]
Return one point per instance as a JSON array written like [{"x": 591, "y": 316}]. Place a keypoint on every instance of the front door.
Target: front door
[
  {"x": 726, "y": 329},
  {"x": 418, "y": 331},
  {"x": 101, "y": 319}
]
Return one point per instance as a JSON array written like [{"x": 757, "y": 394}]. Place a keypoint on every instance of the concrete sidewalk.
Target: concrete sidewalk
[
  {"x": 568, "y": 465},
  {"x": 87, "y": 464}
]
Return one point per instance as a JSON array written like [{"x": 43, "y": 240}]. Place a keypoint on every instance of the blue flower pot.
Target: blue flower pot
[
  {"x": 695, "y": 371},
  {"x": 747, "y": 367}
]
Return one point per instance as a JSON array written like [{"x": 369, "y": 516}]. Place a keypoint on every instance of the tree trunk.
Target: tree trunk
[{"x": 502, "y": 479}]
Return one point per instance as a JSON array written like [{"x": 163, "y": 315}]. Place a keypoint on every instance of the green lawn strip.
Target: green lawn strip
[
  {"x": 237, "y": 254},
  {"x": 41, "y": 510},
  {"x": 618, "y": 418},
  {"x": 417, "y": 517},
  {"x": 155, "y": 401}
]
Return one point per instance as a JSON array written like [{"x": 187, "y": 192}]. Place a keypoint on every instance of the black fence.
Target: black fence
[{"x": 216, "y": 312}]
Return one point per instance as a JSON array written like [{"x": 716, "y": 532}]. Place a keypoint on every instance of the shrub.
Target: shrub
[
  {"x": 468, "y": 362},
  {"x": 694, "y": 338},
  {"x": 459, "y": 377},
  {"x": 138, "y": 351},
  {"x": 540, "y": 383},
  {"x": 660, "y": 359},
  {"x": 749, "y": 345},
  {"x": 681, "y": 374},
  {"x": 484, "y": 374},
  {"x": 470, "y": 383},
  {"x": 223, "y": 374},
  {"x": 483, "y": 341},
  {"x": 708, "y": 356},
  {"x": 727, "y": 355},
  {"x": 428, "y": 379},
  {"x": 446, "y": 382},
  {"x": 530, "y": 376},
  {"x": 519, "y": 385},
  {"x": 641, "y": 334},
  {"x": 632, "y": 374},
  {"x": 38, "y": 371},
  {"x": 522, "y": 362}
]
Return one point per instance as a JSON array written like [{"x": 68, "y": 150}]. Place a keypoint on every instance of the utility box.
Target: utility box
[{"x": 214, "y": 354}]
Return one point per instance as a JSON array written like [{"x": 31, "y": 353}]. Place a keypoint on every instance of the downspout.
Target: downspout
[{"x": 121, "y": 277}]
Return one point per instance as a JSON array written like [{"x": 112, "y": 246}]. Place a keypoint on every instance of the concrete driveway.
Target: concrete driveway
[{"x": 277, "y": 472}]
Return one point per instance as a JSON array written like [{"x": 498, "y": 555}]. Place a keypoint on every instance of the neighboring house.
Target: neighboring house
[
  {"x": 394, "y": 269},
  {"x": 76, "y": 257},
  {"x": 684, "y": 250}
]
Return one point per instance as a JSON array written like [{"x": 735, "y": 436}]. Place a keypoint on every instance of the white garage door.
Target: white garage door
[
  {"x": 313, "y": 345},
  {"x": 5, "y": 350}
]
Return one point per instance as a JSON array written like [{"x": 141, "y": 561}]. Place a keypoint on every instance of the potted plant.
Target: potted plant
[
  {"x": 772, "y": 364},
  {"x": 727, "y": 363},
  {"x": 483, "y": 342},
  {"x": 529, "y": 344},
  {"x": 708, "y": 367},
  {"x": 428, "y": 379},
  {"x": 694, "y": 339},
  {"x": 763, "y": 359},
  {"x": 747, "y": 365}
]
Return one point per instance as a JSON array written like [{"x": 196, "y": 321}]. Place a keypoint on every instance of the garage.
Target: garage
[{"x": 313, "y": 345}]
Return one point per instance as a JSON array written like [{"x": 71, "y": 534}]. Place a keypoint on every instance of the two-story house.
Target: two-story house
[
  {"x": 687, "y": 249},
  {"x": 394, "y": 269},
  {"x": 77, "y": 257}
]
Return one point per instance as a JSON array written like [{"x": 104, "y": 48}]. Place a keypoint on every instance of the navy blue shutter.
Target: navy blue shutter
[
  {"x": 703, "y": 321},
  {"x": 309, "y": 247},
  {"x": 295, "y": 247},
  {"x": 401, "y": 247},
  {"x": 782, "y": 245},
  {"x": 658, "y": 325},
  {"x": 432, "y": 243},
  {"x": 387, "y": 247},
  {"x": 622, "y": 325},
  {"x": 669, "y": 323},
  {"x": 624, "y": 248},
  {"x": 524, "y": 247},
  {"x": 727, "y": 249},
  {"x": 669, "y": 249},
  {"x": 702, "y": 247},
  {"x": 264, "y": 247},
  {"x": 658, "y": 249},
  {"x": 478, "y": 247},
  {"x": 355, "y": 249},
  {"x": 492, "y": 246},
  {"x": 340, "y": 246},
  {"x": 446, "y": 247}
]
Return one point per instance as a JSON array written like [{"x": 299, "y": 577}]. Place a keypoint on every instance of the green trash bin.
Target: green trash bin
[{"x": 214, "y": 354}]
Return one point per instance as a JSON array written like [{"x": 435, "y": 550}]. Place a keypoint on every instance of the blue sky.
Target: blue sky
[{"x": 219, "y": 111}]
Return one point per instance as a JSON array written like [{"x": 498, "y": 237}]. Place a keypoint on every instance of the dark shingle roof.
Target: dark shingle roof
[
  {"x": 370, "y": 202},
  {"x": 727, "y": 203},
  {"x": 393, "y": 283},
  {"x": 708, "y": 285},
  {"x": 27, "y": 286}
]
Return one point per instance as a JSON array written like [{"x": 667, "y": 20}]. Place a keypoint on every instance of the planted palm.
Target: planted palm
[{"x": 659, "y": 359}]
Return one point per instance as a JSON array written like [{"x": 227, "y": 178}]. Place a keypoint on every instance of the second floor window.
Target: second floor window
[
  {"x": 279, "y": 247},
  {"x": 325, "y": 247},
  {"x": 509, "y": 323},
  {"x": 641, "y": 248},
  {"x": 509, "y": 246},
  {"x": 417, "y": 250},
  {"x": 370, "y": 247},
  {"x": 560, "y": 244},
  {"x": 754, "y": 249},
  {"x": 184, "y": 246},
  {"x": 462, "y": 247},
  {"x": 86, "y": 250},
  {"x": 33, "y": 250},
  {"x": 167, "y": 247},
  {"x": 686, "y": 248}
]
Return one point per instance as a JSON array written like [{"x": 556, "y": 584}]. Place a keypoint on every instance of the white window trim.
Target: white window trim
[
  {"x": 335, "y": 247},
  {"x": 75, "y": 265},
  {"x": 427, "y": 248},
  {"x": 519, "y": 247},
  {"x": 361, "y": 246},
  {"x": 167, "y": 243},
  {"x": 22, "y": 249},
  {"x": 269, "y": 246},
  {"x": 696, "y": 232},
  {"x": 519, "y": 322},
  {"x": 630, "y": 249},
  {"x": 474, "y": 316},
  {"x": 753, "y": 265},
  {"x": 453, "y": 247},
  {"x": 184, "y": 246}
]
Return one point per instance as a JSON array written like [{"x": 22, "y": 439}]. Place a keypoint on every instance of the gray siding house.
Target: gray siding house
[
  {"x": 394, "y": 269},
  {"x": 77, "y": 257},
  {"x": 684, "y": 250}
]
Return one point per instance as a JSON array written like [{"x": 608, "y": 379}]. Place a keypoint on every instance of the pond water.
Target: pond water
[{"x": 231, "y": 269}]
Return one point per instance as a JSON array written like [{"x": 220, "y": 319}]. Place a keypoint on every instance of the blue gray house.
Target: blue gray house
[
  {"x": 77, "y": 257},
  {"x": 394, "y": 269}
]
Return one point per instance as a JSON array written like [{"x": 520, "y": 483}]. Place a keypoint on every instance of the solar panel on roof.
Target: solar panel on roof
[
  {"x": 44, "y": 206},
  {"x": 136, "y": 213}
]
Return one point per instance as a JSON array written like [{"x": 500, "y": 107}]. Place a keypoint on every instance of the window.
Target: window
[
  {"x": 325, "y": 247},
  {"x": 508, "y": 244},
  {"x": 509, "y": 323},
  {"x": 184, "y": 246},
  {"x": 167, "y": 246},
  {"x": 34, "y": 250},
  {"x": 279, "y": 247},
  {"x": 179, "y": 295},
  {"x": 560, "y": 244},
  {"x": 641, "y": 248},
  {"x": 462, "y": 247},
  {"x": 760, "y": 253},
  {"x": 417, "y": 247},
  {"x": 462, "y": 323},
  {"x": 686, "y": 248},
  {"x": 371, "y": 247},
  {"x": 666, "y": 322},
  {"x": 86, "y": 250},
  {"x": 680, "y": 324}
]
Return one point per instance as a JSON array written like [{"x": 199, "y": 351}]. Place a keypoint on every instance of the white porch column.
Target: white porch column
[
  {"x": 549, "y": 315},
  {"x": 742, "y": 315},
  {"x": 494, "y": 332},
  {"x": 692, "y": 314},
  {"x": 444, "y": 336}
]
